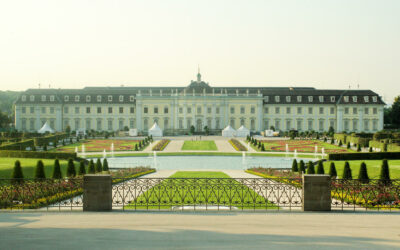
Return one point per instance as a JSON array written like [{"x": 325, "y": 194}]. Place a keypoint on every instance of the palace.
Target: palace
[{"x": 176, "y": 109}]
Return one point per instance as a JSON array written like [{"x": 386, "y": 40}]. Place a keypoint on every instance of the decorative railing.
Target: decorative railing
[
  {"x": 40, "y": 193},
  {"x": 206, "y": 194},
  {"x": 365, "y": 195}
]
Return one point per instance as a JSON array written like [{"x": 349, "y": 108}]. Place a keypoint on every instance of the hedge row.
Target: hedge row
[
  {"x": 363, "y": 156},
  {"x": 37, "y": 154},
  {"x": 390, "y": 147},
  {"x": 363, "y": 141},
  {"x": 39, "y": 141},
  {"x": 21, "y": 145},
  {"x": 340, "y": 137}
]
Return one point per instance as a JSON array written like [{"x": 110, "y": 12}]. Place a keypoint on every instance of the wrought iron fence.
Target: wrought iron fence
[
  {"x": 207, "y": 194},
  {"x": 366, "y": 195},
  {"x": 41, "y": 193}
]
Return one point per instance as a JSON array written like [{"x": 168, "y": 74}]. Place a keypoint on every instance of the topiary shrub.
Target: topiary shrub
[
  {"x": 39, "y": 170},
  {"x": 370, "y": 149},
  {"x": 91, "y": 169},
  {"x": 71, "y": 168},
  {"x": 136, "y": 147},
  {"x": 99, "y": 167},
  {"x": 310, "y": 168},
  {"x": 105, "y": 165},
  {"x": 302, "y": 167},
  {"x": 347, "y": 172},
  {"x": 262, "y": 147},
  {"x": 82, "y": 168},
  {"x": 45, "y": 147},
  {"x": 340, "y": 143},
  {"x": 57, "y": 170},
  {"x": 363, "y": 174},
  {"x": 332, "y": 170},
  {"x": 320, "y": 168},
  {"x": 294, "y": 166},
  {"x": 348, "y": 145},
  {"x": 17, "y": 175},
  {"x": 384, "y": 176},
  {"x": 358, "y": 148}
]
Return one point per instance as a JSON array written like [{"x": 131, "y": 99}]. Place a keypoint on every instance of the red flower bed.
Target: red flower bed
[
  {"x": 302, "y": 146},
  {"x": 100, "y": 145}
]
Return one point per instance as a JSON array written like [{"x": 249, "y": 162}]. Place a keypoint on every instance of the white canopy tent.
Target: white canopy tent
[
  {"x": 228, "y": 131},
  {"x": 242, "y": 131},
  {"x": 155, "y": 130},
  {"x": 45, "y": 128}
]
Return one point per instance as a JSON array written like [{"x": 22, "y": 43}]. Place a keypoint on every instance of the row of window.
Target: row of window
[
  {"x": 355, "y": 111},
  {"x": 299, "y": 110},
  {"x": 88, "y": 98},
  {"x": 321, "y": 98}
]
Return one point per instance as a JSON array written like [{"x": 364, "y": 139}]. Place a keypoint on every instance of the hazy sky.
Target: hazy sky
[{"x": 323, "y": 44}]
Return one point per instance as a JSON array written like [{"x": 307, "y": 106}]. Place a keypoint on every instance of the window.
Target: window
[
  {"x": 88, "y": 123},
  {"x": 23, "y": 98},
  {"x": 310, "y": 124},
  {"x": 346, "y": 110},
  {"x": 266, "y": 98},
  {"x": 121, "y": 98},
  {"x": 253, "y": 110},
  {"x": 52, "y": 98},
  {"x": 180, "y": 110},
  {"x": 131, "y": 123},
  {"x": 145, "y": 124},
  {"x": 288, "y": 125},
  {"x": 88, "y": 98},
  {"x": 252, "y": 124},
  {"x": 332, "y": 99},
  {"x": 98, "y": 110},
  {"x": 66, "y": 98},
  {"x": 332, "y": 124},
  {"x": 132, "y": 110},
  {"x": 366, "y": 111},
  {"x": 277, "y": 99},
  {"x": 23, "y": 110},
  {"x": 189, "y": 110},
  {"x": 121, "y": 124},
  {"x": 51, "y": 110},
  {"x": 321, "y": 110},
  {"x": 242, "y": 110},
  {"x": 366, "y": 125},
  {"x": 110, "y": 98},
  {"x": 277, "y": 110},
  {"x": 299, "y": 110},
  {"x": 145, "y": 110},
  {"x": 110, "y": 110},
  {"x": 355, "y": 125},
  {"x": 217, "y": 126},
  {"x": 43, "y": 98},
  {"x": 366, "y": 98},
  {"x": 121, "y": 110},
  {"x": 155, "y": 110},
  {"x": 321, "y": 125},
  {"x": 375, "y": 111},
  {"x": 375, "y": 125},
  {"x": 332, "y": 110},
  {"x": 131, "y": 98},
  {"x": 374, "y": 98},
  {"x": 299, "y": 122},
  {"x": 98, "y": 124},
  {"x": 355, "y": 111},
  {"x": 242, "y": 122},
  {"x": 166, "y": 121},
  {"x": 76, "y": 110},
  {"x": 198, "y": 110},
  {"x": 288, "y": 99},
  {"x": 266, "y": 110},
  {"x": 232, "y": 110},
  {"x": 310, "y": 110},
  {"x": 32, "y": 109},
  {"x": 180, "y": 124},
  {"x": 32, "y": 98},
  {"x": 310, "y": 99},
  {"x": 321, "y": 98},
  {"x": 354, "y": 98},
  {"x": 66, "y": 110},
  {"x": 165, "y": 110},
  {"x": 346, "y": 125},
  {"x": 346, "y": 98},
  {"x": 217, "y": 110},
  {"x": 110, "y": 124},
  {"x": 288, "y": 110},
  {"x": 232, "y": 123},
  {"x": 87, "y": 110},
  {"x": 99, "y": 98},
  {"x": 299, "y": 99},
  {"x": 277, "y": 125}
]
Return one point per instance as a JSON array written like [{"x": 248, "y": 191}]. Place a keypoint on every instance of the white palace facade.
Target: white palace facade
[{"x": 176, "y": 109}]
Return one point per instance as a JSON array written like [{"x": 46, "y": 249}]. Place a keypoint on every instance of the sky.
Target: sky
[{"x": 311, "y": 43}]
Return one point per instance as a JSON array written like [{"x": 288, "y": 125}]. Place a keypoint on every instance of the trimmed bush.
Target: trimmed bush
[
  {"x": 136, "y": 147},
  {"x": 302, "y": 167},
  {"x": 332, "y": 170},
  {"x": 99, "y": 167},
  {"x": 320, "y": 168},
  {"x": 262, "y": 147},
  {"x": 91, "y": 169},
  {"x": 348, "y": 145},
  {"x": 363, "y": 173},
  {"x": 347, "y": 172},
  {"x": 384, "y": 176},
  {"x": 310, "y": 168},
  {"x": 82, "y": 168},
  {"x": 358, "y": 148},
  {"x": 294, "y": 166},
  {"x": 39, "y": 170},
  {"x": 36, "y": 154},
  {"x": 17, "y": 175},
  {"x": 105, "y": 165},
  {"x": 57, "y": 170},
  {"x": 340, "y": 143},
  {"x": 71, "y": 168},
  {"x": 363, "y": 156}
]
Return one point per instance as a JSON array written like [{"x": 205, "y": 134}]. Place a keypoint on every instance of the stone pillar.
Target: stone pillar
[
  {"x": 339, "y": 119},
  {"x": 139, "y": 115},
  {"x": 97, "y": 192},
  {"x": 38, "y": 124},
  {"x": 259, "y": 125},
  {"x": 59, "y": 122},
  {"x": 360, "y": 120},
  {"x": 316, "y": 193},
  {"x": 380, "y": 118}
]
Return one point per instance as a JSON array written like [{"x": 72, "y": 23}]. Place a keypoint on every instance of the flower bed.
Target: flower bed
[
  {"x": 282, "y": 176},
  {"x": 100, "y": 145},
  {"x": 237, "y": 145},
  {"x": 161, "y": 145},
  {"x": 302, "y": 146}
]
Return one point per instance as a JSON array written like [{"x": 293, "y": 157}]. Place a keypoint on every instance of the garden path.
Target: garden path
[
  {"x": 174, "y": 146},
  {"x": 225, "y": 146}
]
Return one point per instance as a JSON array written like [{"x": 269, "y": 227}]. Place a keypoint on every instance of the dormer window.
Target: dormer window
[
  {"x": 321, "y": 98},
  {"x": 110, "y": 98},
  {"x": 310, "y": 99},
  {"x": 346, "y": 99},
  {"x": 52, "y": 98},
  {"x": 374, "y": 98},
  {"x": 121, "y": 98},
  {"x": 99, "y": 98},
  {"x": 277, "y": 99},
  {"x": 66, "y": 98},
  {"x": 354, "y": 98},
  {"x": 332, "y": 99},
  {"x": 266, "y": 98},
  {"x": 88, "y": 98},
  {"x": 288, "y": 98},
  {"x": 299, "y": 99},
  {"x": 131, "y": 98},
  {"x": 43, "y": 98},
  {"x": 23, "y": 98},
  {"x": 32, "y": 98},
  {"x": 366, "y": 98},
  {"x": 77, "y": 98}
]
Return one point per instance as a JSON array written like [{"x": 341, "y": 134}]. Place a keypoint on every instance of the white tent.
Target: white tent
[
  {"x": 229, "y": 131},
  {"x": 45, "y": 128},
  {"x": 155, "y": 130},
  {"x": 242, "y": 131}
]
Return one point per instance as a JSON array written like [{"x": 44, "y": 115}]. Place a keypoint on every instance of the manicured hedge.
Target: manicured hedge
[
  {"x": 37, "y": 154},
  {"x": 391, "y": 147},
  {"x": 39, "y": 141},
  {"x": 363, "y": 156},
  {"x": 21, "y": 145},
  {"x": 340, "y": 137}
]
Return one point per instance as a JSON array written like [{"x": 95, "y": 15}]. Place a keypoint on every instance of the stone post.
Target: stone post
[
  {"x": 316, "y": 193},
  {"x": 97, "y": 192}
]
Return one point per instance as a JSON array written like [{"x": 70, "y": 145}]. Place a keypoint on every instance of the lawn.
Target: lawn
[
  {"x": 28, "y": 167},
  {"x": 199, "y": 145},
  {"x": 302, "y": 146},
  {"x": 96, "y": 145},
  {"x": 191, "y": 188},
  {"x": 373, "y": 168}
]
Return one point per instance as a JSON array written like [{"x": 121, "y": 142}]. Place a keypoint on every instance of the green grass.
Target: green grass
[
  {"x": 199, "y": 188},
  {"x": 373, "y": 168},
  {"x": 302, "y": 146},
  {"x": 199, "y": 145},
  {"x": 29, "y": 165}
]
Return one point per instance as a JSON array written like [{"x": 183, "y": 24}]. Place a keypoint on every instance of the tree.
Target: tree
[
  {"x": 331, "y": 131},
  {"x": 363, "y": 173},
  {"x": 395, "y": 112},
  {"x": 370, "y": 149},
  {"x": 294, "y": 166},
  {"x": 99, "y": 167},
  {"x": 384, "y": 176},
  {"x": 105, "y": 165},
  {"x": 348, "y": 145},
  {"x": 91, "y": 169},
  {"x": 340, "y": 143},
  {"x": 320, "y": 168},
  {"x": 347, "y": 172},
  {"x": 68, "y": 130},
  {"x": 302, "y": 167},
  {"x": 332, "y": 170},
  {"x": 136, "y": 147},
  {"x": 45, "y": 147},
  {"x": 310, "y": 168},
  {"x": 71, "y": 168},
  {"x": 82, "y": 169},
  {"x": 192, "y": 129},
  {"x": 17, "y": 175},
  {"x": 358, "y": 147},
  {"x": 39, "y": 171},
  {"x": 262, "y": 147},
  {"x": 206, "y": 130},
  {"x": 57, "y": 170}
]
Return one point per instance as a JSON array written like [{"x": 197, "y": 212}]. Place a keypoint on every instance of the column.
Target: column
[
  {"x": 380, "y": 118},
  {"x": 213, "y": 108},
  {"x": 360, "y": 120},
  {"x": 37, "y": 113},
  {"x": 97, "y": 193},
  {"x": 139, "y": 115},
  {"x": 226, "y": 114},
  {"x": 259, "y": 115},
  {"x": 194, "y": 123},
  {"x": 59, "y": 119},
  {"x": 185, "y": 106},
  {"x": 204, "y": 111},
  {"x": 17, "y": 121},
  {"x": 339, "y": 119},
  {"x": 316, "y": 193}
]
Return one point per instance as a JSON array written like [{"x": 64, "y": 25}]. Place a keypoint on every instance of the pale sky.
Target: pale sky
[{"x": 321, "y": 44}]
